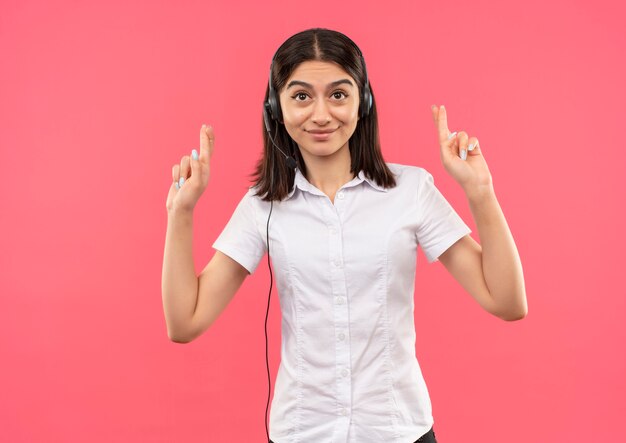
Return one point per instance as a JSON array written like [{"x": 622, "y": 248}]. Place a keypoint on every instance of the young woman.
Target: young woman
[{"x": 342, "y": 228}]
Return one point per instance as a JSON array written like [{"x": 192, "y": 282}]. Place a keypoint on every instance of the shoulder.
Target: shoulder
[
  {"x": 255, "y": 201},
  {"x": 409, "y": 175},
  {"x": 248, "y": 200}
]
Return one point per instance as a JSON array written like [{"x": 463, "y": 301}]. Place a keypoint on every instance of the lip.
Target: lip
[
  {"x": 321, "y": 131},
  {"x": 321, "y": 134}
]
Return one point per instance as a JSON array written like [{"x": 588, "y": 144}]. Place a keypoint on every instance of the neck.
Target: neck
[{"x": 331, "y": 172}]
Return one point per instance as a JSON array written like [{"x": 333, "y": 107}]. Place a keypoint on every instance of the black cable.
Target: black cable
[
  {"x": 291, "y": 163},
  {"x": 267, "y": 363},
  {"x": 269, "y": 381}
]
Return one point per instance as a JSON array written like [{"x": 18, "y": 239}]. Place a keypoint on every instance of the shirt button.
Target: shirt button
[
  {"x": 344, "y": 373},
  {"x": 342, "y": 336},
  {"x": 343, "y": 411},
  {"x": 332, "y": 231},
  {"x": 340, "y": 300},
  {"x": 338, "y": 263},
  {"x": 340, "y": 195}
]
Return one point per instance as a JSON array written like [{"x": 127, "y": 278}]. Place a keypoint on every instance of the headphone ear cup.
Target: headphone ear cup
[
  {"x": 267, "y": 111},
  {"x": 275, "y": 106}
]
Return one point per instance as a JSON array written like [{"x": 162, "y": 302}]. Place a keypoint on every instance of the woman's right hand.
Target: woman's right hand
[{"x": 194, "y": 175}]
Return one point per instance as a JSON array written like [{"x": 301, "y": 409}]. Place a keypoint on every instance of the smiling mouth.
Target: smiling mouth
[
  {"x": 321, "y": 136},
  {"x": 321, "y": 132}
]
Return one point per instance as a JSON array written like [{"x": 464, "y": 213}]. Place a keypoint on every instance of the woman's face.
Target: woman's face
[{"x": 320, "y": 104}]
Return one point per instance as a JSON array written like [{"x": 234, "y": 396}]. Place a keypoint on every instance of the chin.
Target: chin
[{"x": 321, "y": 149}]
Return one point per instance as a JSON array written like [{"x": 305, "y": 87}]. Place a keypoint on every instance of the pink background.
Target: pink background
[{"x": 97, "y": 102}]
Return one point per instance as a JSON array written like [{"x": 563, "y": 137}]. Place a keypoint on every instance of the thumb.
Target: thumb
[{"x": 475, "y": 149}]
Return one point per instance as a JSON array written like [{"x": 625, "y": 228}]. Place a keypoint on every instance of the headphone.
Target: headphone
[{"x": 272, "y": 111}]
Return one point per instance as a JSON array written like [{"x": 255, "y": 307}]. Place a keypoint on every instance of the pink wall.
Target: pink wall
[{"x": 98, "y": 102}]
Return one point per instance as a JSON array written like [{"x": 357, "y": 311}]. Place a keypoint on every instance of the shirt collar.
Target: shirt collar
[{"x": 301, "y": 182}]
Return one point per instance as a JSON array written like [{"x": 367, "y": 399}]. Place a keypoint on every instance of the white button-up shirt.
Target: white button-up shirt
[{"x": 345, "y": 276}]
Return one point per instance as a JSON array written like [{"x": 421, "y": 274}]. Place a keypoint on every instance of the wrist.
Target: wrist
[
  {"x": 178, "y": 212},
  {"x": 480, "y": 193}
]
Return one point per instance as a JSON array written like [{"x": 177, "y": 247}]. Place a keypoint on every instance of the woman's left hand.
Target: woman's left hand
[{"x": 468, "y": 168}]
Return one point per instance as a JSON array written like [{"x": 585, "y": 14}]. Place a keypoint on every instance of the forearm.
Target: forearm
[
  {"x": 502, "y": 267},
  {"x": 179, "y": 284}
]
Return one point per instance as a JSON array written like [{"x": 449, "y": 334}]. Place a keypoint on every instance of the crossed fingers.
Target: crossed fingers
[{"x": 461, "y": 143}]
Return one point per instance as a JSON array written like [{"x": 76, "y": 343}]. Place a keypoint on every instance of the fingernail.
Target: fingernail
[
  {"x": 194, "y": 154},
  {"x": 441, "y": 107},
  {"x": 181, "y": 181},
  {"x": 203, "y": 126},
  {"x": 451, "y": 135},
  {"x": 471, "y": 147},
  {"x": 463, "y": 154},
  {"x": 177, "y": 187}
]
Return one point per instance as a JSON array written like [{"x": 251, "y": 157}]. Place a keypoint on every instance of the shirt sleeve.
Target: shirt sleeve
[
  {"x": 439, "y": 225},
  {"x": 240, "y": 239}
]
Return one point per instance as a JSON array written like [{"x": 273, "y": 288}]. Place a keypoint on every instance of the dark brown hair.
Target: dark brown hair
[{"x": 318, "y": 44}]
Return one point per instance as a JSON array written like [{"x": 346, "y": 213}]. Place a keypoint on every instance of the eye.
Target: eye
[
  {"x": 301, "y": 95},
  {"x": 341, "y": 95}
]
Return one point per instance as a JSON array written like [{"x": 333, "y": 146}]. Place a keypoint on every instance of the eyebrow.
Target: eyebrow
[{"x": 330, "y": 85}]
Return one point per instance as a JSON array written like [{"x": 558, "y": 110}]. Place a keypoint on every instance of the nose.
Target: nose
[{"x": 321, "y": 114}]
